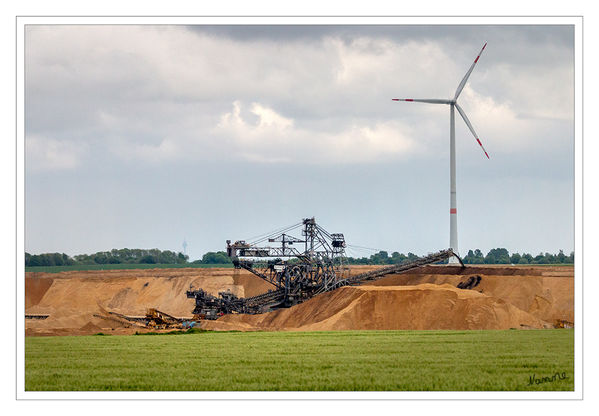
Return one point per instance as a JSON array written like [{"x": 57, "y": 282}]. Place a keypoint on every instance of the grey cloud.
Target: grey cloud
[{"x": 138, "y": 109}]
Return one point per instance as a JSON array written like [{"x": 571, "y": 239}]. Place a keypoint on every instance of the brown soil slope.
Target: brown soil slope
[
  {"x": 545, "y": 292},
  {"x": 425, "y": 306},
  {"x": 35, "y": 289},
  {"x": 72, "y": 299}
]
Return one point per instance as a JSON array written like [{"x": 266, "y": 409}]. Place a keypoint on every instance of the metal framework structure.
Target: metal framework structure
[
  {"x": 302, "y": 266},
  {"x": 299, "y": 267}
]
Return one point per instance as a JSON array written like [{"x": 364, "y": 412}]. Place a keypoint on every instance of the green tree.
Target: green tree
[
  {"x": 515, "y": 258},
  {"x": 147, "y": 259},
  {"x": 398, "y": 258},
  {"x": 100, "y": 258},
  {"x": 382, "y": 257},
  {"x": 219, "y": 257},
  {"x": 497, "y": 256},
  {"x": 182, "y": 258},
  {"x": 67, "y": 260},
  {"x": 34, "y": 260},
  {"x": 469, "y": 258},
  {"x": 561, "y": 257},
  {"x": 57, "y": 259},
  {"x": 528, "y": 257},
  {"x": 473, "y": 257}
]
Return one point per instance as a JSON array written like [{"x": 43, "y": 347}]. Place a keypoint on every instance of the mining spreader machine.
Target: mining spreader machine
[{"x": 299, "y": 268}]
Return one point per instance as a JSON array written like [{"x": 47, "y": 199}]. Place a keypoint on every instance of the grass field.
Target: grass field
[
  {"x": 292, "y": 361},
  {"x": 122, "y": 266}
]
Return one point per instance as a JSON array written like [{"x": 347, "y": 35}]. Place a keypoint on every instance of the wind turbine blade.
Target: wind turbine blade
[
  {"x": 463, "y": 83},
  {"x": 471, "y": 128},
  {"x": 427, "y": 100}
]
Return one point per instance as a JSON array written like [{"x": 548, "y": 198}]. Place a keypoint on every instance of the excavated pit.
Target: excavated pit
[{"x": 426, "y": 298}]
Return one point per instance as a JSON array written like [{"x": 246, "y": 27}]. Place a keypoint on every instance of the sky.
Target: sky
[{"x": 148, "y": 136}]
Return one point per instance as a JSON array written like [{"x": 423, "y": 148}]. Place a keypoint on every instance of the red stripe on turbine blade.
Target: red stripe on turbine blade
[
  {"x": 485, "y": 45},
  {"x": 394, "y": 99},
  {"x": 408, "y": 99},
  {"x": 481, "y": 146},
  {"x": 476, "y": 60},
  {"x": 453, "y": 211}
]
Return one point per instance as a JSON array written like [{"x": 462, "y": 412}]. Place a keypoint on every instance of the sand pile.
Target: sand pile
[
  {"x": 425, "y": 306},
  {"x": 546, "y": 292}
]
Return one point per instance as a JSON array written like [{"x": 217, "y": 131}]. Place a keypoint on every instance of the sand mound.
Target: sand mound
[
  {"x": 425, "y": 306},
  {"x": 90, "y": 327},
  {"x": 545, "y": 292},
  {"x": 133, "y": 292}
]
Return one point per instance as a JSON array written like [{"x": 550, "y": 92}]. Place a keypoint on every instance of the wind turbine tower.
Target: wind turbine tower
[{"x": 453, "y": 105}]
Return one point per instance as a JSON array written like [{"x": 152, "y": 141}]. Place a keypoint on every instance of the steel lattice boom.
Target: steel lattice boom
[{"x": 298, "y": 267}]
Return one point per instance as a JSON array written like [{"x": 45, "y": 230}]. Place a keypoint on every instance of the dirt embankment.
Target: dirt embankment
[
  {"x": 425, "y": 306},
  {"x": 545, "y": 292},
  {"x": 75, "y": 301},
  {"x": 426, "y": 298},
  {"x": 35, "y": 289}
]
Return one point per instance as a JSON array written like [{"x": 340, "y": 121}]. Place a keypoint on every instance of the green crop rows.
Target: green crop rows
[{"x": 290, "y": 361}]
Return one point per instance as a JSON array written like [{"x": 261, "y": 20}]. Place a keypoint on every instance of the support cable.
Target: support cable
[{"x": 262, "y": 237}]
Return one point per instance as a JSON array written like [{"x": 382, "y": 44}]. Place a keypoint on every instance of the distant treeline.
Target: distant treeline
[
  {"x": 494, "y": 256},
  {"x": 115, "y": 256},
  {"x": 155, "y": 256},
  {"x": 123, "y": 256}
]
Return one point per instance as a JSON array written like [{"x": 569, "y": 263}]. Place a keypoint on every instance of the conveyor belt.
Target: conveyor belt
[{"x": 398, "y": 268}]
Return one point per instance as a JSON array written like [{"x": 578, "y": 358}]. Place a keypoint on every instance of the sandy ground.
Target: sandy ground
[
  {"x": 426, "y": 298},
  {"x": 73, "y": 300}
]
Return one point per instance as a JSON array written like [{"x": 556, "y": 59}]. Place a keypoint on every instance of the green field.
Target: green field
[
  {"x": 121, "y": 266},
  {"x": 291, "y": 361}
]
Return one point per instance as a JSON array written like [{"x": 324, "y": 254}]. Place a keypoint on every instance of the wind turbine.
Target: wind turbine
[{"x": 453, "y": 209}]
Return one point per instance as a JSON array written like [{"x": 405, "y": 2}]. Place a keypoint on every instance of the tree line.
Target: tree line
[
  {"x": 115, "y": 256},
  {"x": 156, "y": 256},
  {"x": 494, "y": 256}
]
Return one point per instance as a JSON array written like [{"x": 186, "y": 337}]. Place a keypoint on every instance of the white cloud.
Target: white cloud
[
  {"x": 268, "y": 118},
  {"x": 500, "y": 127},
  {"x": 538, "y": 91},
  {"x": 163, "y": 94},
  {"x": 382, "y": 63},
  {"x": 274, "y": 138}
]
